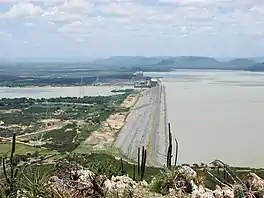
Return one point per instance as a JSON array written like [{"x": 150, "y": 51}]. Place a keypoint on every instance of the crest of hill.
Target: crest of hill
[
  {"x": 259, "y": 67},
  {"x": 242, "y": 63},
  {"x": 128, "y": 61},
  {"x": 190, "y": 62}
]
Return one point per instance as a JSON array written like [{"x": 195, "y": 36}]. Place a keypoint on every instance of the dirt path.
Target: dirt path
[{"x": 44, "y": 130}]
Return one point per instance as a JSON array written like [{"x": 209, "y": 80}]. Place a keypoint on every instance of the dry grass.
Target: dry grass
[{"x": 23, "y": 149}]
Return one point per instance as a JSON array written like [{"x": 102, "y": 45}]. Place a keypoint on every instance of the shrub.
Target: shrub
[{"x": 164, "y": 181}]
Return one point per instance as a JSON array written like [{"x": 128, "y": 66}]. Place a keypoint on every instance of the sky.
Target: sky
[{"x": 103, "y": 28}]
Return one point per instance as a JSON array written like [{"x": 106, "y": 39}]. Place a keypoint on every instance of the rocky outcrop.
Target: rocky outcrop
[
  {"x": 256, "y": 185},
  {"x": 84, "y": 183}
]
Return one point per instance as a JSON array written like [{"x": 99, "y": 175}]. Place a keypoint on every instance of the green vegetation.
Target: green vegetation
[
  {"x": 62, "y": 139},
  {"x": 163, "y": 181},
  {"x": 108, "y": 165},
  {"x": 55, "y": 124},
  {"x": 22, "y": 115},
  {"x": 123, "y": 91},
  {"x": 23, "y": 149}
]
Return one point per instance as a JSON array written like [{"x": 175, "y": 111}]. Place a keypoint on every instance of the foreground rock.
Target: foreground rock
[
  {"x": 256, "y": 185},
  {"x": 82, "y": 182}
]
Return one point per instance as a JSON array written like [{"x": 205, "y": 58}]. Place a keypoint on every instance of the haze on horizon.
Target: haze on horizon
[{"x": 102, "y": 28}]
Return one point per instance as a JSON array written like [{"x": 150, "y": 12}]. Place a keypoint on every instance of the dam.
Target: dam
[{"x": 146, "y": 125}]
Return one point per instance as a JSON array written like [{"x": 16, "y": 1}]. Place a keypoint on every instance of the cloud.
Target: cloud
[
  {"x": 26, "y": 42},
  {"x": 136, "y": 21},
  {"x": 22, "y": 9},
  {"x": 201, "y": 3},
  {"x": 73, "y": 27},
  {"x": 68, "y": 11},
  {"x": 29, "y": 24},
  {"x": 5, "y": 35}
]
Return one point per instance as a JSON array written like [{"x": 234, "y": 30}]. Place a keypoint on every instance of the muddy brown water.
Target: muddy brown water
[{"x": 217, "y": 115}]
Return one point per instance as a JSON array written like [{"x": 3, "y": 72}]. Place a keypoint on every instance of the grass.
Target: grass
[
  {"x": 23, "y": 149},
  {"x": 97, "y": 109},
  {"x": 103, "y": 163},
  {"x": 61, "y": 139},
  {"x": 122, "y": 91},
  {"x": 34, "y": 179}
]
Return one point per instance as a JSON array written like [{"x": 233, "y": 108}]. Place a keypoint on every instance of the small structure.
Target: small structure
[
  {"x": 154, "y": 82},
  {"x": 139, "y": 73},
  {"x": 144, "y": 82},
  {"x": 141, "y": 81}
]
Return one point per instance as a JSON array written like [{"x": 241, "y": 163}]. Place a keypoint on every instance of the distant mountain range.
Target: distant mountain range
[
  {"x": 256, "y": 67},
  {"x": 161, "y": 63}
]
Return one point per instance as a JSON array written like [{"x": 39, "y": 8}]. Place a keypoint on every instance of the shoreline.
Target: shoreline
[
  {"x": 56, "y": 92},
  {"x": 65, "y": 86}
]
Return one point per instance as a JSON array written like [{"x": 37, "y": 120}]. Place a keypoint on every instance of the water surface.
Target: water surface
[
  {"x": 52, "y": 92},
  {"x": 217, "y": 115}
]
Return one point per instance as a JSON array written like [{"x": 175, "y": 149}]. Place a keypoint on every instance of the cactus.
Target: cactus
[
  {"x": 138, "y": 161},
  {"x": 122, "y": 167},
  {"x": 176, "y": 152},
  {"x": 10, "y": 180},
  {"x": 134, "y": 172},
  {"x": 169, "y": 152},
  {"x": 143, "y": 163}
]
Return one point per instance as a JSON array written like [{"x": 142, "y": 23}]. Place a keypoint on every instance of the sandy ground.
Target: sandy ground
[
  {"x": 10, "y": 111},
  {"x": 56, "y": 124},
  {"x": 99, "y": 140}
]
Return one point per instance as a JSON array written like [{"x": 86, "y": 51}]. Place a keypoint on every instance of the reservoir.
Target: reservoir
[
  {"x": 216, "y": 115},
  {"x": 53, "y": 92}
]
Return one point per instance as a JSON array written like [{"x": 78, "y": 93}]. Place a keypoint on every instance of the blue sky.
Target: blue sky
[{"x": 102, "y": 28}]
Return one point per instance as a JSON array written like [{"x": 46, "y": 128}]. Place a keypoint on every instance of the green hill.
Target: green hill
[
  {"x": 241, "y": 63},
  {"x": 259, "y": 67}
]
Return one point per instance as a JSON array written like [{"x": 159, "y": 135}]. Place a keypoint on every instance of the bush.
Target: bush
[
  {"x": 164, "y": 181},
  {"x": 34, "y": 181}
]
